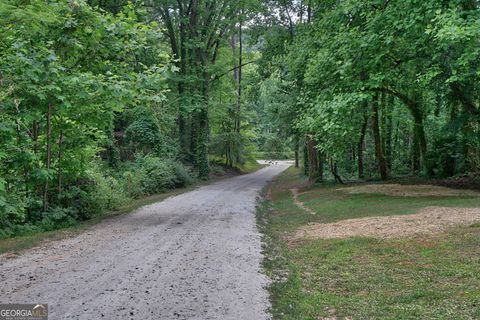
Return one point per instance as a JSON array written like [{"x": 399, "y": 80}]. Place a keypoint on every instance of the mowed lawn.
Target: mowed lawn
[{"x": 423, "y": 277}]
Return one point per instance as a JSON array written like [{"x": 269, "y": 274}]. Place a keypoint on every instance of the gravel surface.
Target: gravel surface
[{"x": 193, "y": 256}]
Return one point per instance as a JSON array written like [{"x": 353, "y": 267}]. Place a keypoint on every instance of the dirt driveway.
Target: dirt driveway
[{"x": 193, "y": 256}]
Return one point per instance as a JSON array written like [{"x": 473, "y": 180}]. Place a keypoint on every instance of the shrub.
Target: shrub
[
  {"x": 12, "y": 211},
  {"x": 216, "y": 170},
  {"x": 143, "y": 133},
  {"x": 23, "y": 230},
  {"x": 151, "y": 175},
  {"x": 159, "y": 174},
  {"x": 108, "y": 193},
  {"x": 132, "y": 181},
  {"x": 99, "y": 193},
  {"x": 183, "y": 175},
  {"x": 57, "y": 218},
  {"x": 96, "y": 192}
]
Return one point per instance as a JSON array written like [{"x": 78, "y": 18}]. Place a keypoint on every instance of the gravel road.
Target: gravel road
[{"x": 192, "y": 256}]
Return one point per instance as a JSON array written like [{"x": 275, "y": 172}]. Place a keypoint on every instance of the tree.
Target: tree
[{"x": 196, "y": 31}]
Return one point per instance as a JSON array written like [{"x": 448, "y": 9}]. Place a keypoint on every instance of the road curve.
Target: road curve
[{"x": 192, "y": 256}]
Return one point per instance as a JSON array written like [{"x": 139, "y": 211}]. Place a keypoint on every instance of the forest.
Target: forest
[{"x": 105, "y": 101}]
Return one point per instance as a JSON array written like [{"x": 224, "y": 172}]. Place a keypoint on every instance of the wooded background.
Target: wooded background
[{"x": 105, "y": 101}]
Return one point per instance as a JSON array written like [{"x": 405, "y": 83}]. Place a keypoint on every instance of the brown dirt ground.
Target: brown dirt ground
[
  {"x": 299, "y": 203},
  {"x": 408, "y": 190},
  {"x": 430, "y": 220}
]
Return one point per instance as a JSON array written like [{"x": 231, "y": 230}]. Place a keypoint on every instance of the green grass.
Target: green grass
[
  {"x": 335, "y": 205},
  {"x": 433, "y": 277},
  {"x": 251, "y": 166}
]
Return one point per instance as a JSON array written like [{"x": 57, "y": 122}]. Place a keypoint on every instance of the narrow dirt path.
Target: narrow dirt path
[
  {"x": 193, "y": 256},
  {"x": 300, "y": 204}
]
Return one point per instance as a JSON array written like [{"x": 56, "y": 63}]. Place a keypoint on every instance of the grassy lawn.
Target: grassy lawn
[{"x": 430, "y": 277}]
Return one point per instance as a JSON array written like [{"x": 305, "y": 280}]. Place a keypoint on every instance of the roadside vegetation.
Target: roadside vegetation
[
  {"x": 29, "y": 237},
  {"x": 34, "y": 236},
  {"x": 105, "y": 102},
  {"x": 421, "y": 276}
]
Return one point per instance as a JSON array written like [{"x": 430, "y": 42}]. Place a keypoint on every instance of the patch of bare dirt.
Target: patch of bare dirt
[
  {"x": 400, "y": 190},
  {"x": 427, "y": 221},
  {"x": 299, "y": 203}
]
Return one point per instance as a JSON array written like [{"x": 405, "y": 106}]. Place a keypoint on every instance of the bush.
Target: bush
[
  {"x": 445, "y": 156},
  {"x": 216, "y": 170},
  {"x": 183, "y": 175},
  {"x": 57, "y": 218},
  {"x": 23, "y": 230},
  {"x": 12, "y": 211},
  {"x": 108, "y": 193},
  {"x": 159, "y": 174},
  {"x": 133, "y": 180},
  {"x": 99, "y": 190},
  {"x": 99, "y": 193}
]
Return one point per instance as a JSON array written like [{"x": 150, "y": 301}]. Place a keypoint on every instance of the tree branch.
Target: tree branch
[{"x": 232, "y": 69}]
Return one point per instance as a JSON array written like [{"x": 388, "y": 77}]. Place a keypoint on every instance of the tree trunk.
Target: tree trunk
[
  {"x": 306, "y": 168},
  {"x": 182, "y": 134},
  {"x": 382, "y": 164},
  {"x": 415, "y": 109},
  {"x": 49, "y": 156},
  {"x": 203, "y": 131},
  {"x": 389, "y": 133},
  {"x": 239, "y": 93},
  {"x": 361, "y": 147},
  {"x": 202, "y": 145},
  {"x": 297, "y": 148},
  {"x": 309, "y": 11},
  {"x": 419, "y": 132},
  {"x": 182, "y": 118},
  {"x": 415, "y": 154},
  {"x": 334, "y": 170},
  {"x": 321, "y": 160},
  {"x": 194, "y": 124},
  {"x": 313, "y": 173},
  {"x": 59, "y": 160}
]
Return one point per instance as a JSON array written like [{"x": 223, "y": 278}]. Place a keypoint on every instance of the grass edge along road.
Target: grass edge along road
[
  {"x": 422, "y": 277},
  {"x": 15, "y": 244}
]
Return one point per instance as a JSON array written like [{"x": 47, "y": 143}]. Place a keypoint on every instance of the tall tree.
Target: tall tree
[{"x": 197, "y": 29}]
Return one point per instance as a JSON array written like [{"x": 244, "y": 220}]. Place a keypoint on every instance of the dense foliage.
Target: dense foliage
[
  {"x": 79, "y": 87},
  {"x": 378, "y": 88},
  {"x": 104, "y": 101}
]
